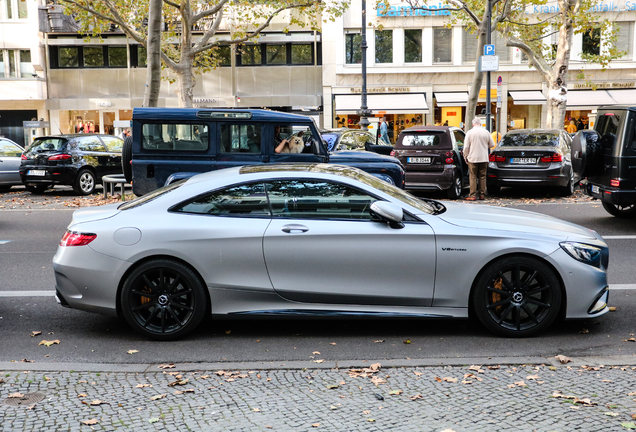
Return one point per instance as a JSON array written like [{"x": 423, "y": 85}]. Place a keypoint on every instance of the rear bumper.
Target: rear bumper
[
  {"x": 611, "y": 195},
  {"x": 431, "y": 180},
  {"x": 526, "y": 177},
  {"x": 52, "y": 175}
]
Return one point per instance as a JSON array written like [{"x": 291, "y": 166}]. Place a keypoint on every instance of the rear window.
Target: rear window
[
  {"x": 421, "y": 140},
  {"x": 607, "y": 127},
  {"x": 47, "y": 144},
  {"x": 530, "y": 140}
]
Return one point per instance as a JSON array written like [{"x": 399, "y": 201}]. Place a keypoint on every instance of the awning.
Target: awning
[
  {"x": 623, "y": 97},
  {"x": 388, "y": 103},
  {"x": 532, "y": 97},
  {"x": 451, "y": 99},
  {"x": 588, "y": 99}
]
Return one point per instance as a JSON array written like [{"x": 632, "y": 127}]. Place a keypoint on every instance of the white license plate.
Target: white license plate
[
  {"x": 36, "y": 172},
  {"x": 523, "y": 161},
  {"x": 596, "y": 189},
  {"x": 419, "y": 160}
]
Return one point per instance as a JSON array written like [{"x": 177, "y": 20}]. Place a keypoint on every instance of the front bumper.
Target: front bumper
[{"x": 611, "y": 195}]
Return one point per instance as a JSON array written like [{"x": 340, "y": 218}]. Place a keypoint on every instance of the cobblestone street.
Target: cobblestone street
[{"x": 371, "y": 398}]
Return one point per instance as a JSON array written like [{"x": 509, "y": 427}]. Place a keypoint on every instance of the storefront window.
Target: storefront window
[
  {"x": 353, "y": 50},
  {"x": 93, "y": 56},
  {"x": 79, "y": 121},
  {"x": 26, "y": 69},
  {"x": 523, "y": 116},
  {"x": 301, "y": 54},
  {"x": 592, "y": 42},
  {"x": 581, "y": 118},
  {"x": 384, "y": 46},
  {"x": 276, "y": 54},
  {"x": 117, "y": 56},
  {"x": 442, "y": 45},
  {"x": 412, "y": 46},
  {"x": 251, "y": 55}
]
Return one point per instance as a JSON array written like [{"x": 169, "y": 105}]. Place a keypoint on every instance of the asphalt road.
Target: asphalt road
[{"x": 29, "y": 237}]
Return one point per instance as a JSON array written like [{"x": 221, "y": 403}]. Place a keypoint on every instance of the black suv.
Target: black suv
[
  {"x": 79, "y": 160},
  {"x": 607, "y": 157},
  {"x": 169, "y": 144}
]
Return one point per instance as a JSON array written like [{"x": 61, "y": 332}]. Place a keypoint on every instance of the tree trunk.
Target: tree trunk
[
  {"x": 478, "y": 77},
  {"x": 557, "y": 81},
  {"x": 153, "y": 55},
  {"x": 185, "y": 76}
]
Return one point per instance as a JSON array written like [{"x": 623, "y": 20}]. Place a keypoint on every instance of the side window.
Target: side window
[
  {"x": 8, "y": 149},
  {"x": 177, "y": 137},
  {"x": 243, "y": 200},
  {"x": 312, "y": 199},
  {"x": 92, "y": 144},
  {"x": 459, "y": 139},
  {"x": 294, "y": 139},
  {"x": 113, "y": 144},
  {"x": 240, "y": 138},
  {"x": 349, "y": 141}
]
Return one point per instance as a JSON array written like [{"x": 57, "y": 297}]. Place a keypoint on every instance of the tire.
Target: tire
[
  {"x": 517, "y": 296},
  {"x": 171, "y": 307},
  {"x": 85, "y": 182},
  {"x": 37, "y": 189},
  {"x": 623, "y": 212},
  {"x": 455, "y": 191},
  {"x": 5, "y": 188},
  {"x": 126, "y": 158},
  {"x": 568, "y": 190}
]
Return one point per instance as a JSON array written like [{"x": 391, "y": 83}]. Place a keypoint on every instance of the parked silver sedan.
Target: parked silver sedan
[
  {"x": 10, "y": 154},
  {"x": 323, "y": 240}
]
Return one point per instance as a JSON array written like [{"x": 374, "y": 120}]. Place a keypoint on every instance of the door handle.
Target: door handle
[{"x": 294, "y": 227}]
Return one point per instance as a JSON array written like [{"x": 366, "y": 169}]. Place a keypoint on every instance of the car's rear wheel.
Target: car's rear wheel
[
  {"x": 126, "y": 158},
  {"x": 163, "y": 299},
  {"x": 568, "y": 189},
  {"x": 517, "y": 296},
  {"x": 37, "y": 188},
  {"x": 620, "y": 211},
  {"x": 85, "y": 182},
  {"x": 455, "y": 191}
]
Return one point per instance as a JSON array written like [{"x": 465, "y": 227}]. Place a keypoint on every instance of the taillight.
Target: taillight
[
  {"x": 615, "y": 182},
  {"x": 496, "y": 158},
  {"x": 391, "y": 154},
  {"x": 62, "y": 156},
  {"x": 77, "y": 239},
  {"x": 555, "y": 157},
  {"x": 449, "y": 154},
  {"x": 23, "y": 157}
]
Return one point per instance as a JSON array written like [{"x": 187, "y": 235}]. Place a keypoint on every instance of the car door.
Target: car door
[
  {"x": 458, "y": 146},
  {"x": 239, "y": 144},
  {"x": 323, "y": 246},
  {"x": 93, "y": 153},
  {"x": 114, "y": 147},
  {"x": 10, "y": 154}
]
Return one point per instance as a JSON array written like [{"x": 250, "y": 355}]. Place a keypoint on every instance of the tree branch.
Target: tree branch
[
  {"x": 174, "y": 5},
  {"x": 211, "y": 32},
  {"x": 535, "y": 23},
  {"x": 208, "y": 12},
  {"x": 537, "y": 62}
]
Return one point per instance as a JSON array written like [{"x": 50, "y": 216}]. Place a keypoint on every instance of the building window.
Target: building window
[
  {"x": 501, "y": 49},
  {"x": 142, "y": 56},
  {"x": 301, "y": 54},
  {"x": 15, "y": 64},
  {"x": 353, "y": 50},
  {"x": 592, "y": 42},
  {"x": 117, "y": 56},
  {"x": 276, "y": 54},
  {"x": 224, "y": 55},
  {"x": 26, "y": 67},
  {"x": 384, "y": 46},
  {"x": 251, "y": 55},
  {"x": 442, "y": 45},
  {"x": 93, "y": 57},
  {"x": 625, "y": 39},
  {"x": 13, "y": 9},
  {"x": 412, "y": 46},
  {"x": 68, "y": 57},
  {"x": 469, "y": 46}
]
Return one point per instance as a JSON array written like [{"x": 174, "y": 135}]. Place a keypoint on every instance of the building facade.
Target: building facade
[{"x": 420, "y": 66}]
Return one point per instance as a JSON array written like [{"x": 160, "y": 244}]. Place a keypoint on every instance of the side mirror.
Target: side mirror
[{"x": 388, "y": 212}]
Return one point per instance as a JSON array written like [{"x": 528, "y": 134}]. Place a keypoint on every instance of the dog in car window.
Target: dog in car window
[{"x": 293, "y": 144}]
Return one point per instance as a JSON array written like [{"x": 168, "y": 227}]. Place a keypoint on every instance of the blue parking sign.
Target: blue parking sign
[{"x": 489, "y": 49}]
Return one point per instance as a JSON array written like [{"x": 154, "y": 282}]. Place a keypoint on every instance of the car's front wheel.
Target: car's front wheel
[
  {"x": 620, "y": 211},
  {"x": 163, "y": 299},
  {"x": 517, "y": 296},
  {"x": 85, "y": 182}
]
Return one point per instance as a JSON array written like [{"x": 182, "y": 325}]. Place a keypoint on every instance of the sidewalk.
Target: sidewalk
[{"x": 361, "y": 398}]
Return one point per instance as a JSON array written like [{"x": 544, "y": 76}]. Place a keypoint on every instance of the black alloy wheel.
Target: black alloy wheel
[
  {"x": 85, "y": 182},
  {"x": 163, "y": 299},
  {"x": 455, "y": 191},
  {"x": 37, "y": 188},
  {"x": 568, "y": 189},
  {"x": 517, "y": 296},
  {"x": 620, "y": 211}
]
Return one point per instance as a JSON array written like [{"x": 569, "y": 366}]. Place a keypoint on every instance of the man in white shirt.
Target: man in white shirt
[{"x": 477, "y": 145}]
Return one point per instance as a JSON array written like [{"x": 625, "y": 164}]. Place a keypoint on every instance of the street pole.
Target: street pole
[
  {"x": 364, "y": 111},
  {"x": 489, "y": 41}
]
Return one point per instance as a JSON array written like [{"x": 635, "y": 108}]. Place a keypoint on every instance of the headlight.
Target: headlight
[{"x": 583, "y": 252}]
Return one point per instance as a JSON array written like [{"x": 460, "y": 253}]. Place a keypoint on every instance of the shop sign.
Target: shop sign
[
  {"x": 482, "y": 93},
  {"x": 204, "y": 102},
  {"x": 35, "y": 124},
  {"x": 603, "y": 6},
  {"x": 104, "y": 104},
  {"x": 382, "y": 90},
  {"x": 602, "y": 85},
  {"x": 385, "y": 10},
  {"x": 451, "y": 113}
]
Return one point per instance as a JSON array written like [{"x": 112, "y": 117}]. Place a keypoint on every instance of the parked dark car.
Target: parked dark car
[
  {"x": 10, "y": 154},
  {"x": 432, "y": 158},
  {"x": 354, "y": 139},
  {"x": 79, "y": 160},
  {"x": 533, "y": 157},
  {"x": 171, "y": 144},
  {"x": 606, "y": 156}
]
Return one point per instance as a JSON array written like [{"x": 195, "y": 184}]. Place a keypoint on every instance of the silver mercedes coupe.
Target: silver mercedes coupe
[{"x": 324, "y": 240}]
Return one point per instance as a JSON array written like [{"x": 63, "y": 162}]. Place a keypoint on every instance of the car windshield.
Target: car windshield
[
  {"x": 47, "y": 144},
  {"x": 530, "y": 140},
  {"x": 330, "y": 139},
  {"x": 152, "y": 195},
  {"x": 421, "y": 140}
]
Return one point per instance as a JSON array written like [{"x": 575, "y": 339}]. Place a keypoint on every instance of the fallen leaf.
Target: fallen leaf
[
  {"x": 159, "y": 396},
  {"x": 178, "y": 392},
  {"x": 630, "y": 340},
  {"x": 371, "y": 420},
  {"x": 449, "y": 379},
  {"x": 378, "y": 341},
  {"x": 82, "y": 395},
  {"x": 89, "y": 422},
  {"x": 448, "y": 430},
  {"x": 143, "y": 385},
  {"x": 166, "y": 366},
  {"x": 375, "y": 366},
  {"x": 408, "y": 341},
  {"x": 16, "y": 395},
  {"x": 153, "y": 420},
  {"x": 366, "y": 412},
  {"x": 395, "y": 392},
  {"x": 97, "y": 402},
  {"x": 417, "y": 373},
  {"x": 552, "y": 368},
  {"x": 493, "y": 367},
  {"x": 416, "y": 397},
  {"x": 377, "y": 381},
  {"x": 316, "y": 353},
  {"x": 613, "y": 308},
  {"x": 133, "y": 351},
  {"x": 333, "y": 386},
  {"x": 179, "y": 382},
  {"x": 315, "y": 424},
  {"x": 606, "y": 380},
  {"x": 49, "y": 343},
  {"x": 563, "y": 359},
  {"x": 332, "y": 343},
  {"x": 319, "y": 361},
  {"x": 612, "y": 414},
  {"x": 533, "y": 377},
  {"x": 342, "y": 383},
  {"x": 35, "y": 333},
  {"x": 28, "y": 361},
  {"x": 584, "y": 331},
  {"x": 256, "y": 410},
  {"x": 511, "y": 386},
  {"x": 629, "y": 425},
  {"x": 228, "y": 332}
]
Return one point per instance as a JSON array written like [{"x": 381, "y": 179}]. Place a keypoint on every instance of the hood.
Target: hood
[
  {"x": 90, "y": 214},
  {"x": 506, "y": 219},
  {"x": 359, "y": 156}
]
